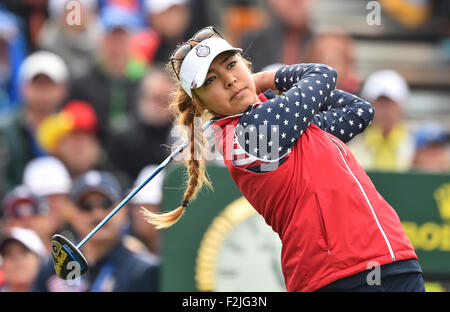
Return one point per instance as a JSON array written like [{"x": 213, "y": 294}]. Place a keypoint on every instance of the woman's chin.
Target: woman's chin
[{"x": 244, "y": 103}]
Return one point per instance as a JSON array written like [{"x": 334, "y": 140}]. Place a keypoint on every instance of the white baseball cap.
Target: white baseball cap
[
  {"x": 47, "y": 63},
  {"x": 47, "y": 176},
  {"x": 195, "y": 66},
  {"x": 152, "y": 192},
  {"x": 159, "y": 6},
  {"x": 26, "y": 237},
  {"x": 387, "y": 83}
]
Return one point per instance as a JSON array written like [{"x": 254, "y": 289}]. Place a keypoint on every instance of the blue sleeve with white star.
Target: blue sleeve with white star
[
  {"x": 344, "y": 115},
  {"x": 269, "y": 131}
]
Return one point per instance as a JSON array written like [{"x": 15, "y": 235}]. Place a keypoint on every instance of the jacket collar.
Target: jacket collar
[{"x": 221, "y": 120}]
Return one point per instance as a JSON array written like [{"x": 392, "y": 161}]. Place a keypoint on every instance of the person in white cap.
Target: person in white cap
[
  {"x": 43, "y": 79},
  {"x": 40, "y": 67},
  {"x": 48, "y": 177},
  {"x": 388, "y": 143},
  {"x": 22, "y": 252}
]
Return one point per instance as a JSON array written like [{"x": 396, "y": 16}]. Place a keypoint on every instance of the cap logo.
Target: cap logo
[{"x": 202, "y": 50}]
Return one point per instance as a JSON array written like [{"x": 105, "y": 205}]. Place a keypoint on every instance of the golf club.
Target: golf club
[{"x": 67, "y": 257}]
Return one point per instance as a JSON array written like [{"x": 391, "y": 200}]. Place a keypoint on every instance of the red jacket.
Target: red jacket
[{"x": 331, "y": 220}]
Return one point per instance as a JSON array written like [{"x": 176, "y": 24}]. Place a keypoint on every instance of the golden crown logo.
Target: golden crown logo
[{"x": 442, "y": 197}]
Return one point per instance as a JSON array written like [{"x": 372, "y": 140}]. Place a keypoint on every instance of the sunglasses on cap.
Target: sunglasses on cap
[
  {"x": 183, "y": 50},
  {"x": 104, "y": 203}
]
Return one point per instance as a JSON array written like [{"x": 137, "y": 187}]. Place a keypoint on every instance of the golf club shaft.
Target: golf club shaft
[{"x": 138, "y": 188}]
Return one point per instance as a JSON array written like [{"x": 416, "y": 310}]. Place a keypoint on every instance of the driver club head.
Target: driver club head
[{"x": 69, "y": 262}]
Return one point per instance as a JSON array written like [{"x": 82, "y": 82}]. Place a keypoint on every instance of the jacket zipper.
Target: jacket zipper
[
  {"x": 323, "y": 228},
  {"x": 340, "y": 148}
]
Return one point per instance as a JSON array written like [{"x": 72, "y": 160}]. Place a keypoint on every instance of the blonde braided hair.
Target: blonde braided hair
[{"x": 187, "y": 109}]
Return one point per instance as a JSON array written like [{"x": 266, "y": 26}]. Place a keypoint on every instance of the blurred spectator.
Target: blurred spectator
[
  {"x": 71, "y": 136},
  {"x": 75, "y": 43},
  {"x": 241, "y": 17},
  {"x": 387, "y": 144},
  {"x": 22, "y": 252},
  {"x": 48, "y": 177},
  {"x": 286, "y": 37},
  {"x": 23, "y": 209},
  {"x": 112, "y": 265},
  {"x": 110, "y": 85},
  {"x": 170, "y": 20},
  {"x": 12, "y": 52},
  {"x": 141, "y": 143},
  {"x": 33, "y": 14},
  {"x": 149, "y": 197},
  {"x": 337, "y": 50},
  {"x": 43, "y": 76},
  {"x": 432, "y": 148}
]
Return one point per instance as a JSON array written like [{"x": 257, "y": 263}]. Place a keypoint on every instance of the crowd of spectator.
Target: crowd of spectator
[{"x": 84, "y": 117}]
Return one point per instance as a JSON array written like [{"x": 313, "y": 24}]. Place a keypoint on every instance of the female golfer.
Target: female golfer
[{"x": 287, "y": 155}]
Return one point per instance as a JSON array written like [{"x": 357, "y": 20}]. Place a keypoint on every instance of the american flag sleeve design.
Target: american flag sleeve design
[
  {"x": 344, "y": 115},
  {"x": 268, "y": 131}
]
